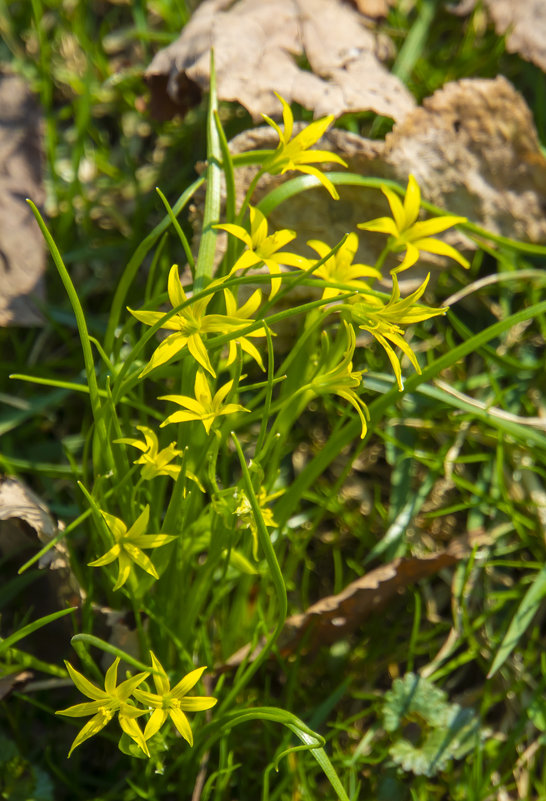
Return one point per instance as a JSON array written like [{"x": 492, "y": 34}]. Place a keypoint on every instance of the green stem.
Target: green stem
[
  {"x": 94, "y": 396},
  {"x": 276, "y": 577}
]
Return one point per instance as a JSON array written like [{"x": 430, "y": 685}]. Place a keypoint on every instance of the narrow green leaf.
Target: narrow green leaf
[
  {"x": 521, "y": 621},
  {"x": 90, "y": 639},
  {"x": 94, "y": 397},
  {"x": 31, "y": 627}
]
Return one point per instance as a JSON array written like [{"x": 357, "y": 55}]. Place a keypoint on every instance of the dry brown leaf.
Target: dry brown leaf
[
  {"x": 22, "y": 252},
  {"x": 25, "y": 526},
  {"x": 19, "y": 505},
  {"x": 336, "y": 616},
  {"x": 257, "y": 48},
  {"x": 373, "y": 8},
  {"x": 14, "y": 681},
  {"x": 523, "y": 22}
]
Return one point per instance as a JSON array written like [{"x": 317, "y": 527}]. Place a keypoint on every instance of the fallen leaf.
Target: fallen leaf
[
  {"x": 14, "y": 681},
  {"x": 25, "y": 526},
  {"x": 336, "y": 616},
  {"x": 19, "y": 505},
  {"x": 258, "y": 49},
  {"x": 22, "y": 251}
]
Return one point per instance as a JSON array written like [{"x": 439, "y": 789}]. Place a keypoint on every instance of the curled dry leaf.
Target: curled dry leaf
[
  {"x": 22, "y": 251},
  {"x": 25, "y": 526},
  {"x": 336, "y": 616},
  {"x": 23, "y": 517},
  {"x": 259, "y": 48}
]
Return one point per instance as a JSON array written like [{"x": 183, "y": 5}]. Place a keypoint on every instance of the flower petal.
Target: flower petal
[
  {"x": 111, "y": 678},
  {"x": 161, "y": 680},
  {"x": 397, "y": 208},
  {"x": 140, "y": 558},
  {"x": 140, "y": 525},
  {"x": 132, "y": 728},
  {"x": 327, "y": 184},
  {"x": 182, "y": 724},
  {"x": 381, "y": 225},
  {"x": 412, "y": 201},
  {"x": 197, "y": 704},
  {"x": 127, "y": 687},
  {"x": 170, "y": 346},
  {"x": 185, "y": 685},
  {"x": 84, "y": 685},
  {"x": 116, "y": 526},
  {"x": 76, "y": 711},
  {"x": 177, "y": 296},
  {"x": 91, "y": 728},
  {"x": 109, "y": 557},
  {"x": 156, "y": 721},
  {"x": 237, "y": 231},
  {"x": 197, "y": 349},
  {"x": 124, "y": 570},
  {"x": 431, "y": 245}
]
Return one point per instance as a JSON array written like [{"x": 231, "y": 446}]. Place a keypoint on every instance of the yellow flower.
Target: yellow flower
[
  {"x": 384, "y": 321},
  {"x": 128, "y": 546},
  {"x": 408, "y": 234},
  {"x": 262, "y": 248},
  {"x": 203, "y": 407},
  {"x": 105, "y": 704},
  {"x": 189, "y": 325},
  {"x": 339, "y": 268},
  {"x": 294, "y": 154},
  {"x": 156, "y": 462},
  {"x": 245, "y": 312},
  {"x": 172, "y": 703},
  {"x": 340, "y": 379}
]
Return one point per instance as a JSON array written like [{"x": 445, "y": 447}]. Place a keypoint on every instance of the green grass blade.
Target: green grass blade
[
  {"x": 94, "y": 397},
  {"x": 264, "y": 540},
  {"x": 136, "y": 260},
  {"x": 90, "y": 639},
  {"x": 521, "y": 621},
  {"x": 31, "y": 627},
  {"x": 182, "y": 236}
]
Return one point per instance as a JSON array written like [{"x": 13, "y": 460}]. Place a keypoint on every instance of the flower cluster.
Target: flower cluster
[
  {"x": 214, "y": 333},
  {"x": 118, "y": 699}
]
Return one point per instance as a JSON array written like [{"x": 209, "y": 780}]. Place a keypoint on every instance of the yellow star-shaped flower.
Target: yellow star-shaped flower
[
  {"x": 105, "y": 704},
  {"x": 128, "y": 546},
  {"x": 172, "y": 703},
  {"x": 294, "y": 153},
  {"x": 204, "y": 406},
  {"x": 262, "y": 247},
  {"x": 339, "y": 268},
  {"x": 407, "y": 234},
  {"x": 189, "y": 325},
  {"x": 384, "y": 321}
]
